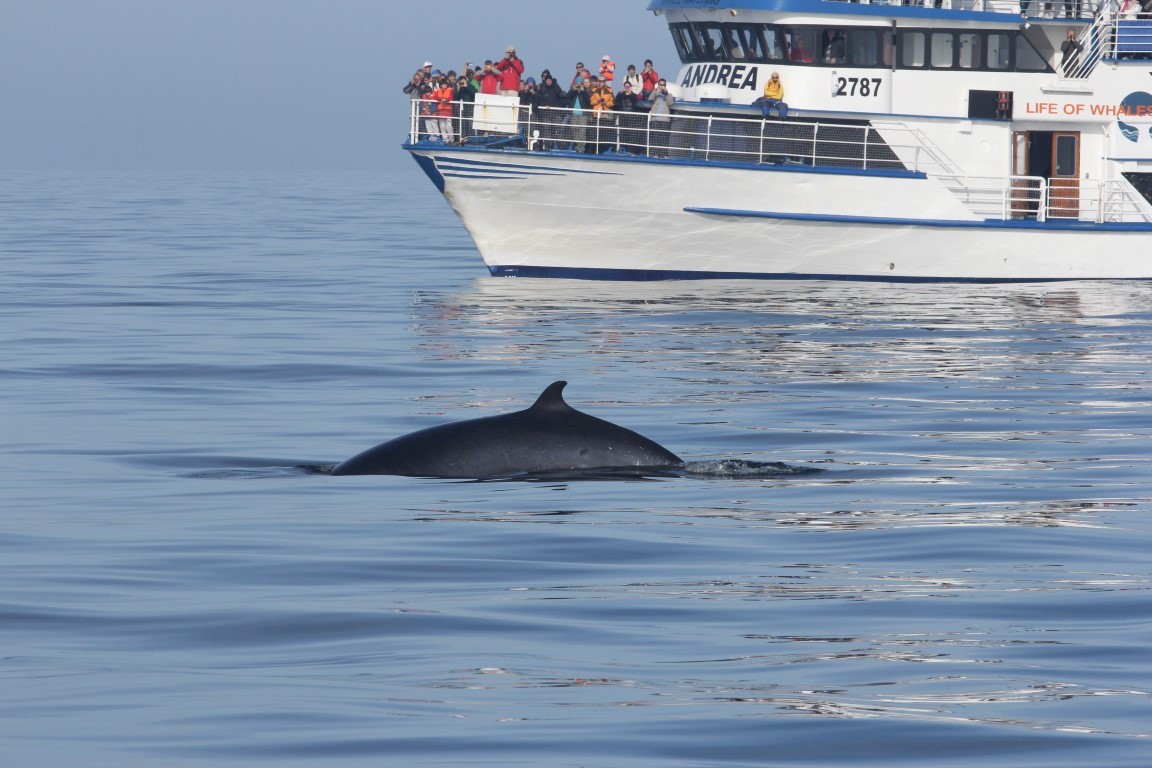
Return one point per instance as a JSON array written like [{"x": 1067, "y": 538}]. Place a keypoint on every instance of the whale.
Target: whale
[{"x": 549, "y": 437}]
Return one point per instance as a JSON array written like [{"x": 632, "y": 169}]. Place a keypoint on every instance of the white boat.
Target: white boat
[{"x": 949, "y": 141}]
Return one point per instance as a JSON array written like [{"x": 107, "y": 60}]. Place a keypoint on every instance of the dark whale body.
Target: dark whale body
[{"x": 549, "y": 437}]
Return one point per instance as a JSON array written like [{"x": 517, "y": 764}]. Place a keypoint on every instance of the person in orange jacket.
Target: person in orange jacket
[
  {"x": 511, "y": 67},
  {"x": 607, "y": 69},
  {"x": 604, "y": 125},
  {"x": 443, "y": 95}
]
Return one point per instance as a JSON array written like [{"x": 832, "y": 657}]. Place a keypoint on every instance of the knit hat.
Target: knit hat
[
  {"x": 605, "y": 57},
  {"x": 531, "y": 81}
]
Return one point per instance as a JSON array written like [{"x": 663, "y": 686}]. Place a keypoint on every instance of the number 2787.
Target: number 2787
[{"x": 857, "y": 86}]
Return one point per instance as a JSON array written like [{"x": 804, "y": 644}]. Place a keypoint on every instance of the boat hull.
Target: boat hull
[{"x": 560, "y": 214}]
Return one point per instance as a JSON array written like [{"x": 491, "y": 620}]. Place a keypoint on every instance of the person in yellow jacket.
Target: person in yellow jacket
[{"x": 773, "y": 98}]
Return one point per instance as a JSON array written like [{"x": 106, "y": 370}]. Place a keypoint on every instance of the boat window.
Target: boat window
[
  {"x": 864, "y": 48},
  {"x": 774, "y": 46},
  {"x": 803, "y": 44},
  {"x": 712, "y": 41},
  {"x": 744, "y": 44},
  {"x": 999, "y": 50},
  {"x": 970, "y": 50},
  {"x": 682, "y": 37},
  {"x": 758, "y": 42},
  {"x": 943, "y": 53},
  {"x": 1027, "y": 58},
  {"x": 834, "y": 45},
  {"x": 913, "y": 47},
  {"x": 1066, "y": 155},
  {"x": 856, "y": 46}
]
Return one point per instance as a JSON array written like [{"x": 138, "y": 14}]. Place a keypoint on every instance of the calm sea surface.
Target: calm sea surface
[{"x": 968, "y": 580}]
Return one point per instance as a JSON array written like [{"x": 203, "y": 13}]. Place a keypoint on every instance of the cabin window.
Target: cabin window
[
  {"x": 682, "y": 37},
  {"x": 834, "y": 45},
  {"x": 803, "y": 44},
  {"x": 745, "y": 44},
  {"x": 1027, "y": 59},
  {"x": 1066, "y": 155},
  {"x": 913, "y": 49},
  {"x": 999, "y": 50},
  {"x": 774, "y": 47},
  {"x": 943, "y": 50},
  {"x": 970, "y": 57},
  {"x": 712, "y": 42},
  {"x": 864, "y": 48},
  {"x": 856, "y": 47}
]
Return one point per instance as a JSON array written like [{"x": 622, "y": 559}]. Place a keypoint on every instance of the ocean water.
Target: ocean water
[{"x": 966, "y": 581}]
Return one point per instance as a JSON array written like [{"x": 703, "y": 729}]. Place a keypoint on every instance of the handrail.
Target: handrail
[{"x": 880, "y": 147}]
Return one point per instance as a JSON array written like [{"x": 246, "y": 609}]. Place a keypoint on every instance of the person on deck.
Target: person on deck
[
  {"x": 580, "y": 97},
  {"x": 415, "y": 87},
  {"x": 1070, "y": 51},
  {"x": 511, "y": 67},
  {"x": 634, "y": 78},
  {"x": 466, "y": 95},
  {"x": 630, "y": 120},
  {"x": 773, "y": 98},
  {"x": 551, "y": 98},
  {"x": 579, "y": 76},
  {"x": 650, "y": 77},
  {"x": 660, "y": 118},
  {"x": 607, "y": 69},
  {"x": 604, "y": 126},
  {"x": 489, "y": 79},
  {"x": 444, "y": 95}
]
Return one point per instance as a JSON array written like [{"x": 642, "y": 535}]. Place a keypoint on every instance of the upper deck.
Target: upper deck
[{"x": 975, "y": 10}]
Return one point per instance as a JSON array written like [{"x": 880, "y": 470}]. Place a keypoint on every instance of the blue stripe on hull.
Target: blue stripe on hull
[
  {"x": 1062, "y": 225},
  {"x": 580, "y": 273}
]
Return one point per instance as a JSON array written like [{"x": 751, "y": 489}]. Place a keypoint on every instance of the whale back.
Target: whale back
[{"x": 549, "y": 436}]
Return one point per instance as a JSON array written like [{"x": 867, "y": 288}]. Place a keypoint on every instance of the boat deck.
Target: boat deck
[{"x": 882, "y": 148}]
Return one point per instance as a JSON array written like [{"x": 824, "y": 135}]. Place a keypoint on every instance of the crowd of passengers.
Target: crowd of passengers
[{"x": 585, "y": 114}]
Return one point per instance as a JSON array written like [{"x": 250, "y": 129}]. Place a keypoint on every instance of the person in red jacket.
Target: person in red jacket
[
  {"x": 510, "y": 69},
  {"x": 650, "y": 77},
  {"x": 489, "y": 79}
]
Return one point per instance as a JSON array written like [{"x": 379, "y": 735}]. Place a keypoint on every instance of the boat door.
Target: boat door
[{"x": 1054, "y": 156}]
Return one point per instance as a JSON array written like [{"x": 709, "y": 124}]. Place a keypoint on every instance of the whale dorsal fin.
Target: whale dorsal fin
[{"x": 552, "y": 398}]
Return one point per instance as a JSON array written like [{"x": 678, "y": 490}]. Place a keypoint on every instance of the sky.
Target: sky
[{"x": 267, "y": 84}]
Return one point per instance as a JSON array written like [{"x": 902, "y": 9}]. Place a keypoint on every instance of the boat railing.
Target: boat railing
[
  {"x": 706, "y": 138},
  {"x": 1029, "y": 8},
  {"x": 880, "y": 147},
  {"x": 1040, "y": 199}
]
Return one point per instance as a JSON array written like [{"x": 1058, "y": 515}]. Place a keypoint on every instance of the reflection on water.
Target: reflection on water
[{"x": 814, "y": 328}]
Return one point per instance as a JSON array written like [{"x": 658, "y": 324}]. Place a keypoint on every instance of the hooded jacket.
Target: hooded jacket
[{"x": 550, "y": 95}]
